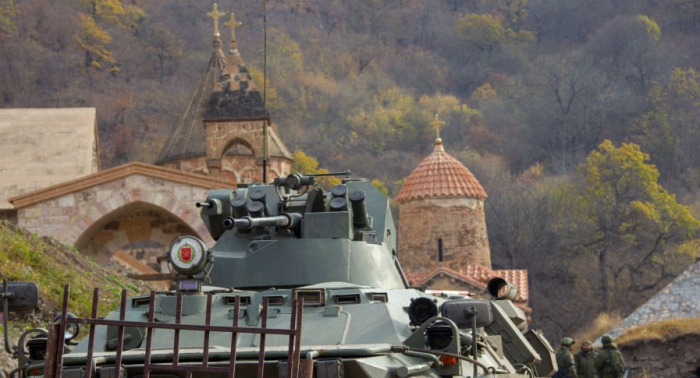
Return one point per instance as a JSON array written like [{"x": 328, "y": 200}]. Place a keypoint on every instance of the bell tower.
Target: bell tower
[
  {"x": 225, "y": 128},
  {"x": 442, "y": 219}
]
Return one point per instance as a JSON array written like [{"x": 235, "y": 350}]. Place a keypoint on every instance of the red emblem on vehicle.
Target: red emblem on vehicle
[{"x": 186, "y": 253}]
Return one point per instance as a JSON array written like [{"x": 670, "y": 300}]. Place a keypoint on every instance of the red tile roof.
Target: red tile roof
[
  {"x": 440, "y": 175},
  {"x": 475, "y": 275}
]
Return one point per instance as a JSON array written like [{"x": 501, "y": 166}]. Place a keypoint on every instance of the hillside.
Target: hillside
[
  {"x": 51, "y": 265},
  {"x": 581, "y": 122}
]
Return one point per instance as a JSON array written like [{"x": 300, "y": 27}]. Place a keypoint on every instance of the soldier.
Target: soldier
[
  {"x": 585, "y": 361},
  {"x": 609, "y": 362},
  {"x": 565, "y": 360}
]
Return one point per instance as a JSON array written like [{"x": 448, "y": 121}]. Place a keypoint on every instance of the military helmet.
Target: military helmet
[
  {"x": 567, "y": 341},
  {"x": 606, "y": 339}
]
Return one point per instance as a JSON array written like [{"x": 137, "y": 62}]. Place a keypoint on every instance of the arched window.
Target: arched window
[
  {"x": 238, "y": 149},
  {"x": 440, "y": 250}
]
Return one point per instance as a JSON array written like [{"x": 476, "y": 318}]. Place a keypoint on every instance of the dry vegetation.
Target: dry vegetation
[
  {"x": 597, "y": 328},
  {"x": 663, "y": 331}
]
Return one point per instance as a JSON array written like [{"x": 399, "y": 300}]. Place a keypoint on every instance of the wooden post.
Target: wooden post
[
  {"x": 51, "y": 351},
  {"x": 307, "y": 368}
]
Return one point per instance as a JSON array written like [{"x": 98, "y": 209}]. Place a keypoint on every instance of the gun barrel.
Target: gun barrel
[
  {"x": 286, "y": 220},
  {"x": 205, "y": 204}
]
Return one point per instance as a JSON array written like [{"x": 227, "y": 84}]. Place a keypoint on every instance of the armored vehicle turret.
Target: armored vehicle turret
[{"x": 300, "y": 282}]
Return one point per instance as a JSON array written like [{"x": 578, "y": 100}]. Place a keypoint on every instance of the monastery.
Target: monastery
[
  {"x": 132, "y": 212},
  {"x": 129, "y": 214}
]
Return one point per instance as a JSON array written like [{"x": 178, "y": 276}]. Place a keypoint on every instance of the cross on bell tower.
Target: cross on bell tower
[
  {"x": 233, "y": 24},
  {"x": 216, "y": 15},
  {"x": 437, "y": 123}
]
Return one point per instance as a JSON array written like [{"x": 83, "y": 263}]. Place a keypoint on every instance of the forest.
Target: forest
[{"x": 580, "y": 119}]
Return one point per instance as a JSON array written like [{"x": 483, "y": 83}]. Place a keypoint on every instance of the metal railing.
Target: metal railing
[{"x": 54, "y": 362}]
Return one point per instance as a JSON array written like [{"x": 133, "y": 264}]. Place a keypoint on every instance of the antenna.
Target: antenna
[{"x": 265, "y": 115}]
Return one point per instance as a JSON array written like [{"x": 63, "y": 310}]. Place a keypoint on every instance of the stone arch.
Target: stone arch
[
  {"x": 221, "y": 135},
  {"x": 234, "y": 142},
  {"x": 237, "y": 153},
  {"x": 137, "y": 205},
  {"x": 131, "y": 223},
  {"x": 249, "y": 174}
]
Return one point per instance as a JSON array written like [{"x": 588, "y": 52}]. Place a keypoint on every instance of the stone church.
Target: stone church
[
  {"x": 131, "y": 213},
  {"x": 443, "y": 241},
  {"x": 221, "y": 133}
]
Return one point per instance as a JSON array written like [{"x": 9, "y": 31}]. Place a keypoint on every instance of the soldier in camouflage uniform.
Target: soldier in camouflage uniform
[
  {"x": 565, "y": 360},
  {"x": 609, "y": 362},
  {"x": 585, "y": 361}
]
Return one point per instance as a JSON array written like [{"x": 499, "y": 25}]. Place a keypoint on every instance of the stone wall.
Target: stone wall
[
  {"x": 679, "y": 299},
  {"x": 223, "y": 135},
  {"x": 82, "y": 218},
  {"x": 246, "y": 169},
  {"x": 675, "y": 358},
  {"x": 193, "y": 165},
  {"x": 241, "y": 168},
  {"x": 459, "y": 222},
  {"x": 678, "y": 356},
  {"x": 237, "y": 169}
]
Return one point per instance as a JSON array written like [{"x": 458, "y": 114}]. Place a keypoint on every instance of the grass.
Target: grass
[
  {"x": 663, "y": 330},
  {"x": 51, "y": 265}
]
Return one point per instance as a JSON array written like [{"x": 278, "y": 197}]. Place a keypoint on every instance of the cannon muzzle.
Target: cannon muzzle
[
  {"x": 502, "y": 289},
  {"x": 285, "y": 220},
  {"x": 205, "y": 204}
]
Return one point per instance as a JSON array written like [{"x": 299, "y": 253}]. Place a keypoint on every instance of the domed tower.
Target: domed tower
[
  {"x": 442, "y": 219},
  {"x": 225, "y": 131}
]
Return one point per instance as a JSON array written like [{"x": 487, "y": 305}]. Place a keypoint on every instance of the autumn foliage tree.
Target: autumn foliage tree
[
  {"x": 8, "y": 11},
  {"x": 634, "y": 221},
  {"x": 105, "y": 10},
  {"x": 669, "y": 129},
  {"x": 93, "y": 40},
  {"x": 306, "y": 164},
  {"x": 629, "y": 48},
  {"x": 487, "y": 32},
  {"x": 161, "y": 42}
]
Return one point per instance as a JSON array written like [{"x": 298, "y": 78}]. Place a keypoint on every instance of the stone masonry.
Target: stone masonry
[
  {"x": 457, "y": 221},
  {"x": 104, "y": 212},
  {"x": 679, "y": 299}
]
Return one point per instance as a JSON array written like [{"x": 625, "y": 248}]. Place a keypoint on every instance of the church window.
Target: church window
[{"x": 239, "y": 149}]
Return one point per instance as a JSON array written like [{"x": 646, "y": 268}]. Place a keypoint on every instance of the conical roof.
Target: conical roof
[
  {"x": 440, "y": 175},
  {"x": 225, "y": 92},
  {"x": 234, "y": 95}
]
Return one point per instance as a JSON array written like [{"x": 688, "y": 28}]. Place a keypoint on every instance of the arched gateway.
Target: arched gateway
[{"x": 118, "y": 208}]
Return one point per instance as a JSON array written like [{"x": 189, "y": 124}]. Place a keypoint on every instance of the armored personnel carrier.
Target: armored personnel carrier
[{"x": 300, "y": 282}]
